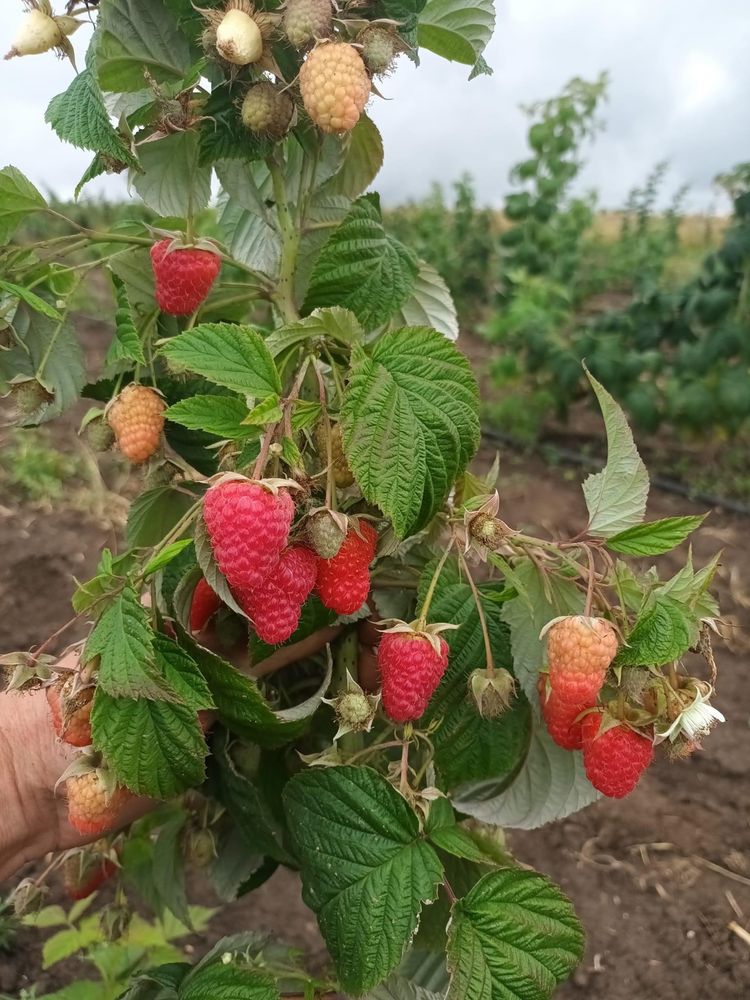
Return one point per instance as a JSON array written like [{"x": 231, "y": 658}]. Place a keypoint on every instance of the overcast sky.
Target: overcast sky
[{"x": 680, "y": 80}]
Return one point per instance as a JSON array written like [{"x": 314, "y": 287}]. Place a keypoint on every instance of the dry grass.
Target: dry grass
[{"x": 696, "y": 231}]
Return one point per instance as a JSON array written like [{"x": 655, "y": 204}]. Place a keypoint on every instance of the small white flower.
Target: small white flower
[
  {"x": 694, "y": 721},
  {"x": 226, "y": 958}
]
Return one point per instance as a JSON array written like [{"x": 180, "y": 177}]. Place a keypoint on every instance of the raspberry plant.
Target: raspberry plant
[{"x": 304, "y": 432}]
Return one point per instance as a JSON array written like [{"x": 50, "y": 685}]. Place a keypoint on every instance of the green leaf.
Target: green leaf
[
  {"x": 362, "y": 161},
  {"x": 616, "y": 496},
  {"x": 133, "y": 267},
  {"x": 515, "y": 936},
  {"x": 551, "y": 785},
  {"x": 219, "y": 415},
  {"x": 410, "y": 423},
  {"x": 134, "y": 35},
  {"x": 444, "y": 833},
  {"x": 167, "y": 868},
  {"x": 79, "y": 117},
  {"x": 67, "y": 942},
  {"x": 396, "y": 988},
  {"x": 246, "y": 803},
  {"x": 429, "y": 304},
  {"x": 457, "y": 30},
  {"x": 335, "y": 324},
  {"x": 232, "y": 356},
  {"x": 267, "y": 411},
  {"x": 156, "y": 512},
  {"x": 166, "y": 556},
  {"x": 153, "y": 747},
  {"x": 362, "y": 268},
  {"x": 656, "y": 537},
  {"x": 467, "y": 747},
  {"x": 126, "y": 343},
  {"x": 662, "y": 634},
  {"x": 49, "y": 351},
  {"x": 173, "y": 182},
  {"x": 250, "y": 237},
  {"x": 123, "y": 640},
  {"x": 18, "y": 198},
  {"x": 227, "y": 982},
  {"x": 31, "y": 299},
  {"x": 182, "y": 674},
  {"x": 365, "y": 869}
]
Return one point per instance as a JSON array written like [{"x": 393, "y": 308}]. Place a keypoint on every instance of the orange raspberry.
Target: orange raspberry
[
  {"x": 579, "y": 652},
  {"x": 92, "y": 809},
  {"x": 335, "y": 86},
  {"x": 137, "y": 418}
]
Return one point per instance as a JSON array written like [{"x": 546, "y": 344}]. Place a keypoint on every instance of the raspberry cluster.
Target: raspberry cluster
[{"x": 580, "y": 650}]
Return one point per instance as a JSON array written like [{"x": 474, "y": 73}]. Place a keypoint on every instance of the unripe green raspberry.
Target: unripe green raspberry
[
  {"x": 326, "y": 532},
  {"x": 307, "y": 20},
  {"x": 267, "y": 111},
  {"x": 379, "y": 49},
  {"x": 99, "y": 434},
  {"x": 29, "y": 397}
]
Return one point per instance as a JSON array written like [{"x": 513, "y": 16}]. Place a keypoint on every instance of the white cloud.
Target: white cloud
[{"x": 680, "y": 76}]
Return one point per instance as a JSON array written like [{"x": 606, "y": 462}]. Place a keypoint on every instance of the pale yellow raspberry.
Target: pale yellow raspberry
[
  {"x": 137, "y": 418},
  {"x": 335, "y": 86}
]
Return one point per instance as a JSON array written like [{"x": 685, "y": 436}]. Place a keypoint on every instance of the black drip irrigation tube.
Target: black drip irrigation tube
[{"x": 577, "y": 458}]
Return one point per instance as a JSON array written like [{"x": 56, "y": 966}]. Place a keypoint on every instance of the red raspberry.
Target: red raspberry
[
  {"x": 579, "y": 651},
  {"x": 615, "y": 760},
  {"x": 410, "y": 671},
  {"x": 275, "y": 606},
  {"x": 344, "y": 581},
  {"x": 184, "y": 277},
  {"x": 560, "y": 719},
  {"x": 84, "y": 873},
  {"x": 206, "y": 602},
  {"x": 274, "y": 614},
  {"x": 71, "y": 713},
  {"x": 248, "y": 526},
  {"x": 137, "y": 418},
  {"x": 91, "y": 810},
  {"x": 297, "y": 572}
]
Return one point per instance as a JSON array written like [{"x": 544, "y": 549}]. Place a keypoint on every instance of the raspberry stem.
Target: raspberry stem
[
  {"x": 290, "y": 241},
  {"x": 422, "y": 621},
  {"x": 345, "y": 662},
  {"x": 482, "y": 617}
]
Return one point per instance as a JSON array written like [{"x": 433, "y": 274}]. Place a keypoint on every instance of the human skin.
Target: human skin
[{"x": 33, "y": 807}]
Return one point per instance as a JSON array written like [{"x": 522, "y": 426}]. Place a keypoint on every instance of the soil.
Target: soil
[{"x": 660, "y": 880}]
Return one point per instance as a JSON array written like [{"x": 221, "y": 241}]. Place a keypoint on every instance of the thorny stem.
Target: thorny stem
[
  {"x": 422, "y": 621},
  {"x": 330, "y": 491},
  {"x": 404, "y": 783},
  {"x": 265, "y": 447},
  {"x": 591, "y": 582},
  {"x": 290, "y": 241},
  {"x": 482, "y": 617},
  {"x": 449, "y": 891}
]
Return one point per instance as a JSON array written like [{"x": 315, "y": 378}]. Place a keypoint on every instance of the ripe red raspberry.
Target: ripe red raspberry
[
  {"x": 335, "y": 86},
  {"x": 579, "y": 651},
  {"x": 275, "y": 606},
  {"x": 91, "y": 809},
  {"x": 206, "y": 602},
  {"x": 84, "y": 873},
  {"x": 137, "y": 418},
  {"x": 184, "y": 276},
  {"x": 344, "y": 581},
  {"x": 248, "y": 526},
  {"x": 71, "y": 713},
  {"x": 410, "y": 671},
  {"x": 560, "y": 719},
  {"x": 615, "y": 760}
]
